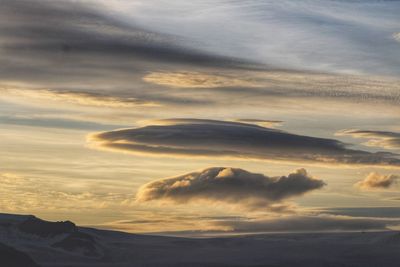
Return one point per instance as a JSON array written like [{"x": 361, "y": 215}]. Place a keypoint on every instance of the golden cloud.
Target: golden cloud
[
  {"x": 75, "y": 98},
  {"x": 298, "y": 83},
  {"x": 21, "y": 194},
  {"x": 377, "y": 181},
  {"x": 232, "y": 186},
  {"x": 384, "y": 139},
  {"x": 186, "y": 79}
]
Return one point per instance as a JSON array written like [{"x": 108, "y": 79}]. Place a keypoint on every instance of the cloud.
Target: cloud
[
  {"x": 282, "y": 83},
  {"x": 332, "y": 36},
  {"x": 198, "y": 80},
  {"x": 264, "y": 123},
  {"x": 214, "y": 226},
  {"x": 48, "y": 122},
  {"x": 61, "y": 40},
  {"x": 396, "y": 36},
  {"x": 388, "y": 140},
  {"x": 377, "y": 181},
  {"x": 319, "y": 223},
  {"x": 26, "y": 194},
  {"x": 229, "y": 185},
  {"x": 370, "y": 212},
  {"x": 77, "y": 47},
  {"x": 191, "y": 137},
  {"x": 76, "y": 98}
]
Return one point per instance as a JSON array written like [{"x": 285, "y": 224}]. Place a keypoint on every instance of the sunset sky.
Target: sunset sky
[{"x": 224, "y": 115}]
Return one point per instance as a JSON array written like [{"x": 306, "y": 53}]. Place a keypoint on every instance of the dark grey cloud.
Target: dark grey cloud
[
  {"x": 230, "y": 185},
  {"x": 308, "y": 224},
  {"x": 191, "y": 137},
  {"x": 69, "y": 44},
  {"x": 385, "y": 139},
  {"x": 74, "y": 47},
  {"x": 45, "y": 38}
]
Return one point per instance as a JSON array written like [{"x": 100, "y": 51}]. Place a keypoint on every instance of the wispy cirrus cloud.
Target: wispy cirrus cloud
[
  {"x": 333, "y": 36},
  {"x": 191, "y": 137},
  {"x": 235, "y": 187},
  {"x": 261, "y": 85}
]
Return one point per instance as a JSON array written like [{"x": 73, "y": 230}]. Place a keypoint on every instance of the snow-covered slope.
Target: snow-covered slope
[{"x": 64, "y": 244}]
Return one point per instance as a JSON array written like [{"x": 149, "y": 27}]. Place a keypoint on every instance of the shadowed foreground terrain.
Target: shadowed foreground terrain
[
  {"x": 65, "y": 244},
  {"x": 11, "y": 257}
]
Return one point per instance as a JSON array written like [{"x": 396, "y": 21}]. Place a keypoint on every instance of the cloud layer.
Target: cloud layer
[
  {"x": 74, "y": 97},
  {"x": 83, "y": 41},
  {"x": 198, "y": 80},
  {"x": 229, "y": 185},
  {"x": 308, "y": 224},
  {"x": 75, "y": 47},
  {"x": 384, "y": 139},
  {"x": 396, "y": 36},
  {"x": 192, "y": 137},
  {"x": 26, "y": 195},
  {"x": 377, "y": 181},
  {"x": 344, "y": 36},
  {"x": 70, "y": 67}
]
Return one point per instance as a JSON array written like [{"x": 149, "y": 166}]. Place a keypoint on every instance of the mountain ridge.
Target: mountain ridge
[{"x": 64, "y": 244}]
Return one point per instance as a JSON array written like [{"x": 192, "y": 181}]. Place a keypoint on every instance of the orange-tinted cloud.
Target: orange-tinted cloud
[
  {"x": 74, "y": 97},
  {"x": 377, "y": 181},
  {"x": 384, "y": 139},
  {"x": 186, "y": 79},
  {"x": 232, "y": 186}
]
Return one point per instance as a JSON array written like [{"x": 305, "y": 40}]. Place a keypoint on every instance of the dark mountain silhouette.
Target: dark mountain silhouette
[
  {"x": 78, "y": 241},
  {"x": 43, "y": 228},
  {"x": 62, "y": 244},
  {"x": 66, "y": 235},
  {"x": 10, "y": 257}
]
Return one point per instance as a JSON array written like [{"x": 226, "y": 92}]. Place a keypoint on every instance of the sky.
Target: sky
[{"x": 219, "y": 116}]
